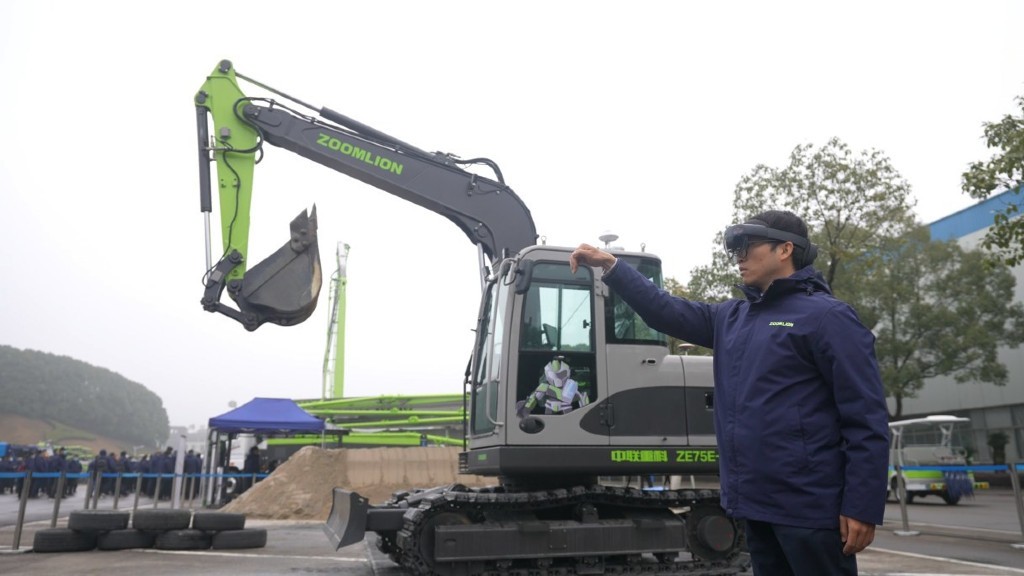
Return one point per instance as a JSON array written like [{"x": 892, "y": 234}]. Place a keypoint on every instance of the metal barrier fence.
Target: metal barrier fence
[
  {"x": 193, "y": 485},
  {"x": 190, "y": 485}
]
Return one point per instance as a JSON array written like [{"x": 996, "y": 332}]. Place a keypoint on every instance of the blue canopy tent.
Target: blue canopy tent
[
  {"x": 261, "y": 417},
  {"x": 267, "y": 416}
]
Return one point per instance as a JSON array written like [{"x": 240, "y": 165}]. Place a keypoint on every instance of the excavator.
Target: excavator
[{"x": 566, "y": 386}]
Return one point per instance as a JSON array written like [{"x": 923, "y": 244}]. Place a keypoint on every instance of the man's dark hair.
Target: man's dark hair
[{"x": 787, "y": 222}]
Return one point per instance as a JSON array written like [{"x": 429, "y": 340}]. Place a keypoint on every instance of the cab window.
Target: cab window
[
  {"x": 487, "y": 381},
  {"x": 556, "y": 368},
  {"x": 623, "y": 325}
]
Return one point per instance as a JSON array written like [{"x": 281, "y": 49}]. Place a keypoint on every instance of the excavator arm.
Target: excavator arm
[{"x": 283, "y": 288}]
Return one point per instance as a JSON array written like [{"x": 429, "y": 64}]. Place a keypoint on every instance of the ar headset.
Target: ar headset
[{"x": 737, "y": 239}]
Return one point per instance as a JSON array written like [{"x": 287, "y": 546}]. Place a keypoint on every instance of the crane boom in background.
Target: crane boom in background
[{"x": 334, "y": 355}]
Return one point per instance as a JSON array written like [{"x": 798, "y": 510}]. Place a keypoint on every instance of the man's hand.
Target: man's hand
[
  {"x": 587, "y": 254},
  {"x": 856, "y": 535}
]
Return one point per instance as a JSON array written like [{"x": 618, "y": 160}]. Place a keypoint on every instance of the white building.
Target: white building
[
  {"x": 991, "y": 408},
  {"x": 195, "y": 439}
]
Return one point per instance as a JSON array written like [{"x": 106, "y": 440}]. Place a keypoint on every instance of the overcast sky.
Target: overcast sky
[{"x": 639, "y": 117}]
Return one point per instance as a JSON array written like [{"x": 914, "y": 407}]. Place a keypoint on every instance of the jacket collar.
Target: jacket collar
[{"x": 807, "y": 280}]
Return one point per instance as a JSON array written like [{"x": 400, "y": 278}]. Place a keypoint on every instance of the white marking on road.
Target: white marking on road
[
  {"x": 949, "y": 560},
  {"x": 244, "y": 555},
  {"x": 369, "y": 555}
]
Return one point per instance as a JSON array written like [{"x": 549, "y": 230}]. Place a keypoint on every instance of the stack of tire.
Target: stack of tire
[{"x": 160, "y": 529}]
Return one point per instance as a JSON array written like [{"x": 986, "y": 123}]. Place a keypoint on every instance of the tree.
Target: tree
[
  {"x": 1002, "y": 172},
  {"x": 715, "y": 282},
  {"x": 849, "y": 201},
  {"x": 672, "y": 286},
  {"x": 997, "y": 441},
  {"x": 936, "y": 310}
]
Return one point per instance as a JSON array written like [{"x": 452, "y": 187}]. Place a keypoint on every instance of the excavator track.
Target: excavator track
[{"x": 517, "y": 513}]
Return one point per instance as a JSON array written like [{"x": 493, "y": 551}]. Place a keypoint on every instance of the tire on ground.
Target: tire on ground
[
  {"x": 98, "y": 520},
  {"x": 125, "y": 539},
  {"x": 182, "y": 540},
  {"x": 158, "y": 520},
  {"x": 63, "y": 540},
  {"x": 236, "y": 539},
  {"x": 218, "y": 521}
]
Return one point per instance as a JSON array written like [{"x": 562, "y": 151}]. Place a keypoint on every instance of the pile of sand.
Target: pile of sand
[{"x": 301, "y": 488}]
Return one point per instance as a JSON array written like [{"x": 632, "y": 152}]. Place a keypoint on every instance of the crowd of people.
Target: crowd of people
[
  {"x": 103, "y": 472},
  {"x": 141, "y": 474},
  {"x": 39, "y": 462}
]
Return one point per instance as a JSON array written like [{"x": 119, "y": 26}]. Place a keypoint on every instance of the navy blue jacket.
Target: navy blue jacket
[{"x": 800, "y": 412}]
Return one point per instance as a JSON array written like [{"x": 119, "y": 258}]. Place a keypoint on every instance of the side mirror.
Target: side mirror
[{"x": 524, "y": 275}]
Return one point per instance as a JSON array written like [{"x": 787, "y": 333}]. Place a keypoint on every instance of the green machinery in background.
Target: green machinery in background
[
  {"x": 385, "y": 420},
  {"x": 334, "y": 355},
  {"x": 393, "y": 420}
]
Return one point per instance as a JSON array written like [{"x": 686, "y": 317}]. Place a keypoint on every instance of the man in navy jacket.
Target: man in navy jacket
[{"x": 800, "y": 412}]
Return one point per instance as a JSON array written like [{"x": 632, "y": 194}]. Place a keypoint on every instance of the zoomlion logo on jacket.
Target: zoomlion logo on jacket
[{"x": 779, "y": 323}]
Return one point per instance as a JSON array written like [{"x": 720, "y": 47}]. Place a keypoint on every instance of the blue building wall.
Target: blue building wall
[
  {"x": 991, "y": 408},
  {"x": 973, "y": 218}
]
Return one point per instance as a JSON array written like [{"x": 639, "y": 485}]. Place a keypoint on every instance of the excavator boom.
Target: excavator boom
[
  {"x": 283, "y": 289},
  {"x": 470, "y": 201}
]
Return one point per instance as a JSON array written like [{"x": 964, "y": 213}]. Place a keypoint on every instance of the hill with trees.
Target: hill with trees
[{"x": 89, "y": 398}]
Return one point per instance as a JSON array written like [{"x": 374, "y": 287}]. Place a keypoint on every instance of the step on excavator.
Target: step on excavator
[{"x": 566, "y": 385}]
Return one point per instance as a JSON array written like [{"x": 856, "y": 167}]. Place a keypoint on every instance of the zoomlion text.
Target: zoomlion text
[{"x": 385, "y": 164}]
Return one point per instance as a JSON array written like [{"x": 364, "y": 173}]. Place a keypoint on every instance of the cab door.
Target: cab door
[
  {"x": 647, "y": 388},
  {"x": 554, "y": 381}
]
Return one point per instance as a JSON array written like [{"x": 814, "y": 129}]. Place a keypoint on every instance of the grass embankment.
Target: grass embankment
[{"x": 21, "y": 430}]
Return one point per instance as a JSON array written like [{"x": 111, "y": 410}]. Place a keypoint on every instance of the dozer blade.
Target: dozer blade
[
  {"x": 283, "y": 289},
  {"x": 346, "y": 523}
]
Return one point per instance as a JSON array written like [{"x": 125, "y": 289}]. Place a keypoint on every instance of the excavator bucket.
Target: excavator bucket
[
  {"x": 283, "y": 289},
  {"x": 346, "y": 524}
]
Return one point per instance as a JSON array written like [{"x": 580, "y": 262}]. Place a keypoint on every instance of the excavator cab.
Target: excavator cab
[{"x": 566, "y": 376}]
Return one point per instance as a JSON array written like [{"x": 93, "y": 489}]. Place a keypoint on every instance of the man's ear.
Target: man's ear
[{"x": 787, "y": 250}]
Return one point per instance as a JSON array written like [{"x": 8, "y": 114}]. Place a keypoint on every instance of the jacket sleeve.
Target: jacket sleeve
[
  {"x": 668, "y": 314},
  {"x": 845, "y": 353}
]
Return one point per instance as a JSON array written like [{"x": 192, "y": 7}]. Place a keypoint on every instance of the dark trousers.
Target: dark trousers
[{"x": 777, "y": 550}]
